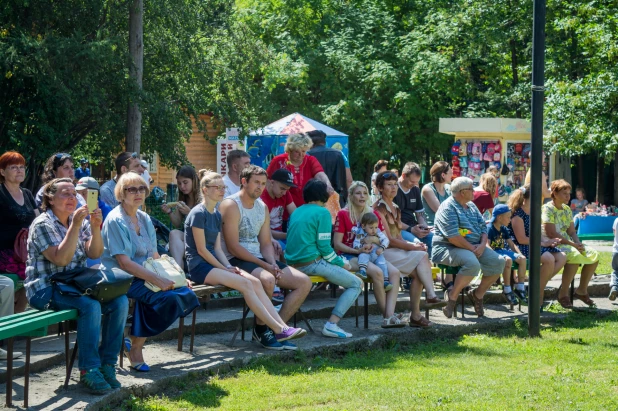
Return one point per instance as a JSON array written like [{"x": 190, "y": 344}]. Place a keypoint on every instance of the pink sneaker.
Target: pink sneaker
[{"x": 290, "y": 333}]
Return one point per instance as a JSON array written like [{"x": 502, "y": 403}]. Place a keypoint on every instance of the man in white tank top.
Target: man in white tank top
[{"x": 247, "y": 243}]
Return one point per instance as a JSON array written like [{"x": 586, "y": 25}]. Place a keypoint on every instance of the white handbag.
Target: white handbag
[{"x": 165, "y": 267}]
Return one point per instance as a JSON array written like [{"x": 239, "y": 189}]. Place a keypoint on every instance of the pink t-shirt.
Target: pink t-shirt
[{"x": 307, "y": 170}]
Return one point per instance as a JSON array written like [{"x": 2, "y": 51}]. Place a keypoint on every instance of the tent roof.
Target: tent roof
[{"x": 295, "y": 123}]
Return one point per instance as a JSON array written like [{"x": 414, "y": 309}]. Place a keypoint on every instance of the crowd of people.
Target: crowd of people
[{"x": 261, "y": 231}]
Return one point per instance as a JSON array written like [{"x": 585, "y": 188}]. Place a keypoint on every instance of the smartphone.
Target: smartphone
[{"x": 92, "y": 200}]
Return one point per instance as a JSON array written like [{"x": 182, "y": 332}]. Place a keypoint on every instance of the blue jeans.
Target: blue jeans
[
  {"x": 373, "y": 257},
  {"x": 90, "y": 324},
  {"x": 613, "y": 282},
  {"x": 425, "y": 240},
  {"x": 339, "y": 276}
]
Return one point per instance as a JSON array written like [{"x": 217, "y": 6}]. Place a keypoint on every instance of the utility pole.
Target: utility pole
[
  {"x": 136, "y": 73},
  {"x": 536, "y": 165}
]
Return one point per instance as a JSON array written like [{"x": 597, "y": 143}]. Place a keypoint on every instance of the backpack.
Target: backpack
[
  {"x": 20, "y": 247},
  {"x": 491, "y": 148},
  {"x": 455, "y": 148},
  {"x": 476, "y": 148},
  {"x": 497, "y": 156},
  {"x": 463, "y": 150}
]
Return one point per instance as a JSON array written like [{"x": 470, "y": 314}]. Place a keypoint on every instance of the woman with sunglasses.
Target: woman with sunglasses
[
  {"x": 61, "y": 239},
  {"x": 129, "y": 239},
  {"x": 60, "y": 165},
  {"x": 411, "y": 259}
]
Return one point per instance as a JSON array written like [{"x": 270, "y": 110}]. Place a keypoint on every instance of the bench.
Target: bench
[{"x": 33, "y": 323}]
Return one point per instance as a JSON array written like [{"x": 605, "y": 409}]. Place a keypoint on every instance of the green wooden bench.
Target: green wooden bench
[{"x": 29, "y": 324}]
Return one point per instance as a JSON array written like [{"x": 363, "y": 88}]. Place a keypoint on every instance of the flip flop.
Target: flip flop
[{"x": 137, "y": 366}]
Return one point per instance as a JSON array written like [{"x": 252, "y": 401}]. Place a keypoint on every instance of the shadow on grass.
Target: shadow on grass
[{"x": 196, "y": 392}]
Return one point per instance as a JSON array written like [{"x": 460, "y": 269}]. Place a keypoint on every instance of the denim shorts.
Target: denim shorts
[{"x": 199, "y": 273}]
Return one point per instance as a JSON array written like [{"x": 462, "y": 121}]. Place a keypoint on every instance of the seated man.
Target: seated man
[
  {"x": 460, "y": 238},
  {"x": 248, "y": 246},
  {"x": 124, "y": 163}
]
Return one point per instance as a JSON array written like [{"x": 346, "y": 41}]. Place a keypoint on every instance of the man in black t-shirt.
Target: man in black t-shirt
[{"x": 408, "y": 199}]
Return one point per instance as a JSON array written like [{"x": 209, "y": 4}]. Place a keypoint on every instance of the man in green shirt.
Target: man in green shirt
[{"x": 309, "y": 250}]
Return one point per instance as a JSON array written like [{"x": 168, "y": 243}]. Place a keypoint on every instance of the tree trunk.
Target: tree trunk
[
  {"x": 136, "y": 71},
  {"x": 514, "y": 71},
  {"x": 600, "y": 179},
  {"x": 563, "y": 168},
  {"x": 580, "y": 171},
  {"x": 616, "y": 178}
]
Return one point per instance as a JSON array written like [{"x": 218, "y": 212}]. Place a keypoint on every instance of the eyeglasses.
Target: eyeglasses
[
  {"x": 220, "y": 188},
  {"x": 134, "y": 190},
  {"x": 16, "y": 168},
  {"x": 133, "y": 155}
]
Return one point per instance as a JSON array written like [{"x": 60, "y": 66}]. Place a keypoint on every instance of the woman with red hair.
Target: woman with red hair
[{"x": 17, "y": 210}]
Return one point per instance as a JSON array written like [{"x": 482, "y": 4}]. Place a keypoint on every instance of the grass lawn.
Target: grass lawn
[
  {"x": 572, "y": 367},
  {"x": 605, "y": 263}
]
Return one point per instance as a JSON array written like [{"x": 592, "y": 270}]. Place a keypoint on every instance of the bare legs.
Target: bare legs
[{"x": 177, "y": 246}]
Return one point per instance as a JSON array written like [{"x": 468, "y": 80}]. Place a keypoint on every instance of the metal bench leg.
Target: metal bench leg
[
  {"x": 463, "y": 298},
  {"x": 356, "y": 311},
  {"x": 9, "y": 373},
  {"x": 193, "y": 330},
  {"x": 366, "y": 307},
  {"x": 121, "y": 360},
  {"x": 70, "y": 365},
  {"x": 242, "y": 326},
  {"x": 65, "y": 329},
  {"x": 572, "y": 289},
  {"x": 27, "y": 371},
  {"x": 302, "y": 317},
  {"x": 426, "y": 309},
  {"x": 181, "y": 326}
]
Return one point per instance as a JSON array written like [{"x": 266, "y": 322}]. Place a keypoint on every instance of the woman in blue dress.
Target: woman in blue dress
[
  {"x": 129, "y": 240},
  {"x": 552, "y": 259}
]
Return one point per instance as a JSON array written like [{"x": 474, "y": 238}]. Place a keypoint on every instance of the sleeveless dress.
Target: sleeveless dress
[
  {"x": 430, "y": 215},
  {"x": 525, "y": 248}
]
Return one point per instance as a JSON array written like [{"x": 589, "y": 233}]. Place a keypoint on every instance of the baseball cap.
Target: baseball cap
[
  {"x": 283, "y": 176},
  {"x": 87, "y": 183},
  {"x": 83, "y": 161},
  {"x": 498, "y": 210}
]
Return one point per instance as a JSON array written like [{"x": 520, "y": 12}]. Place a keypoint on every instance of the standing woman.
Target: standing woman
[
  {"x": 552, "y": 259},
  {"x": 129, "y": 239},
  {"x": 411, "y": 259},
  {"x": 347, "y": 219},
  {"x": 60, "y": 165},
  {"x": 61, "y": 239},
  {"x": 485, "y": 193},
  {"x": 17, "y": 211},
  {"x": 208, "y": 264},
  {"x": 556, "y": 217},
  {"x": 434, "y": 193},
  {"x": 303, "y": 166},
  {"x": 188, "y": 197}
]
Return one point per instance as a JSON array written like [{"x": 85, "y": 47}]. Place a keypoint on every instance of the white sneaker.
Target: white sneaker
[
  {"x": 5, "y": 355},
  {"x": 334, "y": 331}
]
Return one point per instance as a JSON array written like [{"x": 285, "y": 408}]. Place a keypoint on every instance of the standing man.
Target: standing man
[
  {"x": 83, "y": 170},
  {"x": 278, "y": 199},
  {"x": 381, "y": 165},
  {"x": 124, "y": 163},
  {"x": 332, "y": 162},
  {"x": 248, "y": 246},
  {"x": 236, "y": 160},
  {"x": 408, "y": 199}
]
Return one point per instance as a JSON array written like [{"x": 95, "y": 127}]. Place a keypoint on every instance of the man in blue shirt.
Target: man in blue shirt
[
  {"x": 460, "y": 240},
  {"x": 83, "y": 170}
]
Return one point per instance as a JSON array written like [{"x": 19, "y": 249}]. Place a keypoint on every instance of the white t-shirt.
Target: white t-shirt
[
  {"x": 615, "y": 227},
  {"x": 232, "y": 188}
]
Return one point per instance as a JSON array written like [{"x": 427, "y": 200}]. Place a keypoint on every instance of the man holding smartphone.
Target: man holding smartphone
[{"x": 408, "y": 199}]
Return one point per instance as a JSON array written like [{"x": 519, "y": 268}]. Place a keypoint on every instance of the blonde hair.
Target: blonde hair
[
  {"x": 127, "y": 179},
  {"x": 489, "y": 183},
  {"x": 207, "y": 176},
  {"x": 298, "y": 141},
  {"x": 354, "y": 216},
  {"x": 491, "y": 169},
  {"x": 50, "y": 189},
  {"x": 516, "y": 200}
]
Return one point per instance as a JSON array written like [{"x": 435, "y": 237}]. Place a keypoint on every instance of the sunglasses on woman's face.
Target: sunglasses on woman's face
[{"x": 134, "y": 190}]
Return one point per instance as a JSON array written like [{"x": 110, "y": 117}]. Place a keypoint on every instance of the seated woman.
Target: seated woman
[
  {"x": 61, "y": 239},
  {"x": 129, "y": 239},
  {"x": 60, "y": 165},
  {"x": 552, "y": 259},
  {"x": 17, "y": 211},
  {"x": 188, "y": 197},
  {"x": 309, "y": 250},
  {"x": 347, "y": 220},
  {"x": 556, "y": 217},
  {"x": 411, "y": 259},
  {"x": 208, "y": 264},
  {"x": 484, "y": 195}
]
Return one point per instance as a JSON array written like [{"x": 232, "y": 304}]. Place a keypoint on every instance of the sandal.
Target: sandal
[
  {"x": 478, "y": 302},
  {"x": 565, "y": 302},
  {"x": 420, "y": 323},
  {"x": 435, "y": 302},
  {"x": 392, "y": 322},
  {"x": 585, "y": 299},
  {"x": 137, "y": 366}
]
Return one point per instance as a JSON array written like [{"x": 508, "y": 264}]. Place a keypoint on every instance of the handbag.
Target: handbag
[
  {"x": 167, "y": 268},
  {"x": 103, "y": 286},
  {"x": 20, "y": 247}
]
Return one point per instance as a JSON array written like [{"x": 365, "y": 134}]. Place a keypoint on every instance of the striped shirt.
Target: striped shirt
[
  {"x": 452, "y": 219},
  {"x": 47, "y": 231}
]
